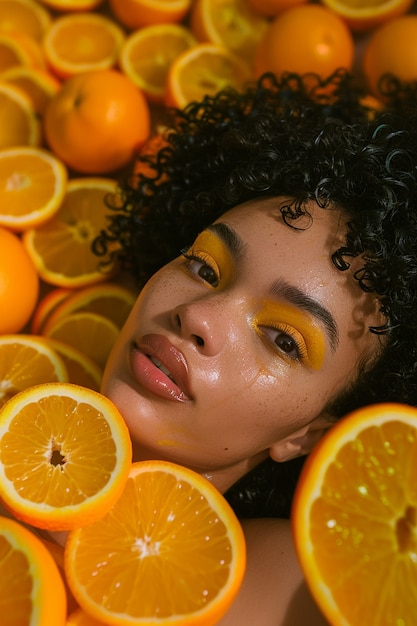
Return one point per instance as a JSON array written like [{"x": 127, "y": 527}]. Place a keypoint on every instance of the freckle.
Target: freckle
[{"x": 226, "y": 448}]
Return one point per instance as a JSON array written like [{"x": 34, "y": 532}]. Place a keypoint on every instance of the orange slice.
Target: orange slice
[
  {"x": 38, "y": 85},
  {"x": 138, "y": 13},
  {"x": 26, "y": 361},
  {"x": 204, "y": 70},
  {"x": 92, "y": 334},
  {"x": 368, "y": 14},
  {"x": 61, "y": 248},
  {"x": 148, "y": 53},
  {"x": 45, "y": 306},
  {"x": 32, "y": 590},
  {"x": 32, "y": 186},
  {"x": 77, "y": 455},
  {"x": 24, "y": 16},
  {"x": 81, "y": 618},
  {"x": 229, "y": 23},
  {"x": 72, "y": 5},
  {"x": 355, "y": 518},
  {"x": 11, "y": 53},
  {"x": 173, "y": 534},
  {"x": 23, "y": 127},
  {"x": 107, "y": 299},
  {"x": 82, "y": 42},
  {"x": 82, "y": 370}
]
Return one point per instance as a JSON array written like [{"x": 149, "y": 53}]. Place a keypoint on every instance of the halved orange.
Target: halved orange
[
  {"x": 175, "y": 536},
  {"x": 367, "y": 14},
  {"x": 110, "y": 300},
  {"x": 11, "y": 53},
  {"x": 82, "y": 370},
  {"x": 82, "y": 42},
  {"x": 32, "y": 590},
  {"x": 24, "y": 16},
  {"x": 147, "y": 54},
  {"x": 76, "y": 450},
  {"x": 37, "y": 84},
  {"x": 78, "y": 617},
  {"x": 229, "y": 23},
  {"x": 72, "y": 5},
  {"x": 135, "y": 14},
  {"x": 61, "y": 248},
  {"x": 355, "y": 518},
  {"x": 204, "y": 69},
  {"x": 92, "y": 334},
  {"x": 23, "y": 127},
  {"x": 26, "y": 360},
  {"x": 33, "y": 184},
  {"x": 47, "y": 303}
]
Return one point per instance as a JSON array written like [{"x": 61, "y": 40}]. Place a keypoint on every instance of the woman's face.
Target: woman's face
[{"x": 234, "y": 351}]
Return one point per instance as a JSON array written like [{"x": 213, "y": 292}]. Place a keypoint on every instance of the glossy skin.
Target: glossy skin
[{"x": 255, "y": 365}]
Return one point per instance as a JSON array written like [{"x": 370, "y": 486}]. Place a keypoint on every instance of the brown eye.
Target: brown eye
[
  {"x": 286, "y": 343},
  {"x": 202, "y": 269}
]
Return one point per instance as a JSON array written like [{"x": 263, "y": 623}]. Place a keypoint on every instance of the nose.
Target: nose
[{"x": 204, "y": 324}]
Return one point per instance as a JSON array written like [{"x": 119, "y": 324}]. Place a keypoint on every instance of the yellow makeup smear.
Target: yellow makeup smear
[
  {"x": 211, "y": 249},
  {"x": 276, "y": 314}
]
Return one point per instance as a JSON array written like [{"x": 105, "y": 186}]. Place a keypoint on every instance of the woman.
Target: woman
[{"x": 293, "y": 300}]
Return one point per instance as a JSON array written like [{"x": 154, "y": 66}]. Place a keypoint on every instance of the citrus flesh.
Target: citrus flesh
[
  {"x": 26, "y": 361},
  {"x": 169, "y": 551},
  {"x": 366, "y": 14},
  {"x": 355, "y": 518},
  {"x": 32, "y": 186},
  {"x": 77, "y": 454},
  {"x": 32, "y": 590}
]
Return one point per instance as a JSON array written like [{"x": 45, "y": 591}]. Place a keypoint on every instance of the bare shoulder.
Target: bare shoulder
[{"x": 274, "y": 592}]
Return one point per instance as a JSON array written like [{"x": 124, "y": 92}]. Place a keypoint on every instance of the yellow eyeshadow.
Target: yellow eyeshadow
[
  {"x": 287, "y": 317},
  {"x": 208, "y": 246}
]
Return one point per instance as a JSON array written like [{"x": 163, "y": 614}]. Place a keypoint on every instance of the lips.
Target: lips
[{"x": 160, "y": 368}]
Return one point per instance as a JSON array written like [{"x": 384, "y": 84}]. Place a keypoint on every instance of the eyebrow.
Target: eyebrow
[{"x": 281, "y": 288}]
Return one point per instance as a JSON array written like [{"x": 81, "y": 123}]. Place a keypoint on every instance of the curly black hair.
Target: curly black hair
[{"x": 305, "y": 139}]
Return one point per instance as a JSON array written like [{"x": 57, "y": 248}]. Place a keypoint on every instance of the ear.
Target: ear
[{"x": 301, "y": 441}]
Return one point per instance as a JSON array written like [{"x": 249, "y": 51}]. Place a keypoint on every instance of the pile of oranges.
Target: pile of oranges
[{"x": 82, "y": 83}]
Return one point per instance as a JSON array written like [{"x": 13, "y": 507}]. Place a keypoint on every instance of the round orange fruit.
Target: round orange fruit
[
  {"x": 367, "y": 14},
  {"x": 19, "y": 284},
  {"x": 97, "y": 121},
  {"x": 391, "y": 49},
  {"x": 304, "y": 39}
]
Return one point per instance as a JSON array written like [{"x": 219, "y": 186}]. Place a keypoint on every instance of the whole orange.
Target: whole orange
[
  {"x": 19, "y": 284},
  {"x": 97, "y": 121},
  {"x": 392, "y": 49},
  {"x": 306, "y": 38}
]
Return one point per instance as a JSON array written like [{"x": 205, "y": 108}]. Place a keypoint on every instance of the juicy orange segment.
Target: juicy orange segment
[
  {"x": 46, "y": 305},
  {"x": 26, "y": 361},
  {"x": 148, "y": 53},
  {"x": 110, "y": 300},
  {"x": 33, "y": 183},
  {"x": 38, "y": 85},
  {"x": 32, "y": 590},
  {"x": 61, "y": 248},
  {"x": 92, "y": 334},
  {"x": 81, "y": 618},
  {"x": 23, "y": 127},
  {"x": 138, "y": 13},
  {"x": 82, "y": 370},
  {"x": 24, "y": 16},
  {"x": 172, "y": 533},
  {"x": 77, "y": 455},
  {"x": 355, "y": 517},
  {"x": 204, "y": 70},
  {"x": 229, "y": 23},
  {"x": 82, "y": 42},
  {"x": 366, "y": 14},
  {"x": 72, "y": 5}
]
